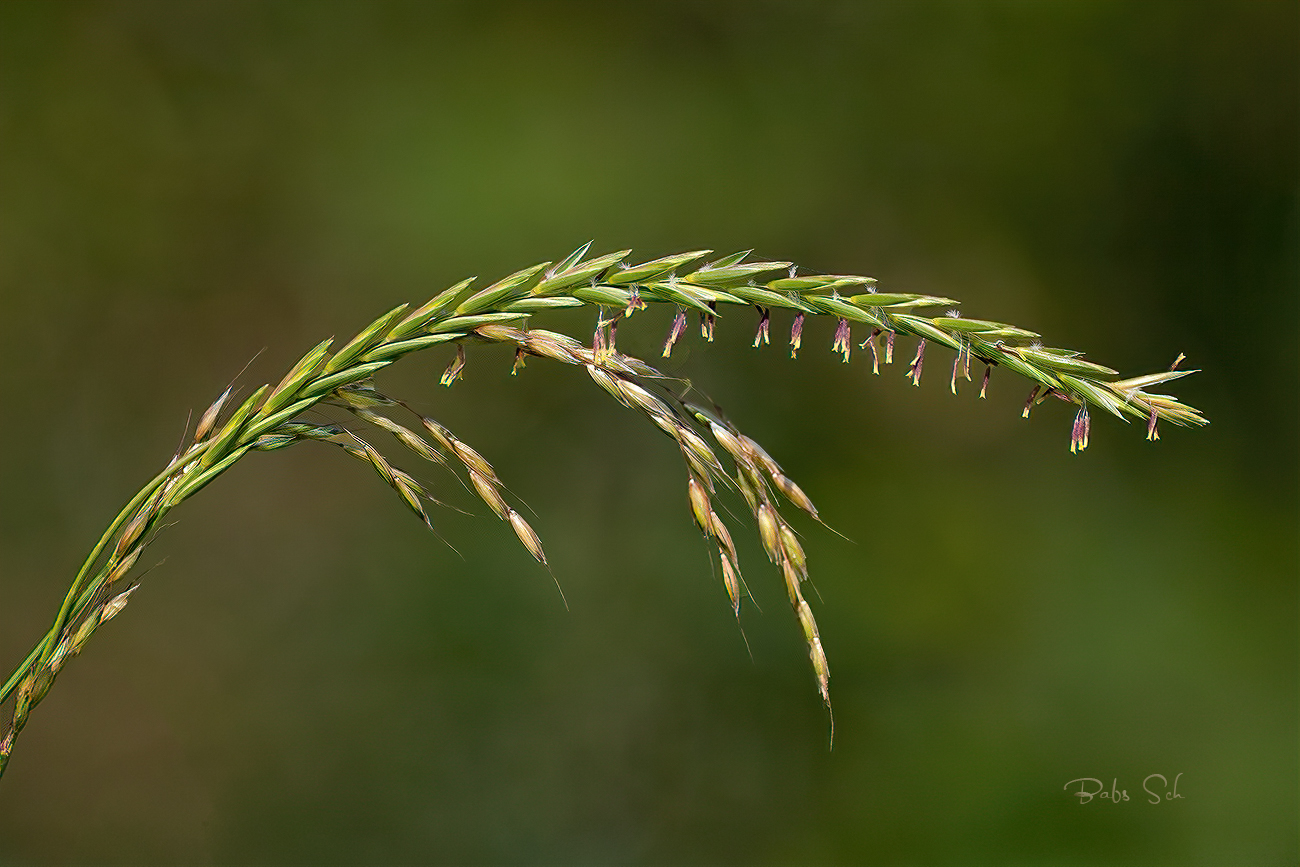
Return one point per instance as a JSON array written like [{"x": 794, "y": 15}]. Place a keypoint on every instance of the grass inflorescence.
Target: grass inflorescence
[{"x": 716, "y": 453}]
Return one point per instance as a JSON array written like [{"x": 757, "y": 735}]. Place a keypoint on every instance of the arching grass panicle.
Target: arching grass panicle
[{"x": 269, "y": 419}]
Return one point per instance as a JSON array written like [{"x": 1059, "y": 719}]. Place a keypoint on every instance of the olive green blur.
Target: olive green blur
[{"x": 313, "y": 677}]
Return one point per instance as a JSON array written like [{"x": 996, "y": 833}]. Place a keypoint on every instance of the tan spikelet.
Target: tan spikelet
[
  {"x": 489, "y": 493},
  {"x": 209, "y": 417},
  {"x": 526, "y": 535},
  {"x": 730, "y": 580},
  {"x": 794, "y": 493},
  {"x": 769, "y": 533},
  {"x": 699, "y": 500},
  {"x": 720, "y": 532}
]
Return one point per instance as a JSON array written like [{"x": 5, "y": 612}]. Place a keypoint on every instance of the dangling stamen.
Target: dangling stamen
[
  {"x": 889, "y": 347},
  {"x": 520, "y": 355},
  {"x": 634, "y": 302},
  {"x": 453, "y": 371},
  {"x": 1152, "y": 433},
  {"x": 764, "y": 327},
  {"x": 1029, "y": 403},
  {"x": 875, "y": 355},
  {"x": 796, "y": 334},
  {"x": 914, "y": 372},
  {"x": 706, "y": 322},
  {"x": 984, "y": 386},
  {"x": 678, "y": 328},
  {"x": 1082, "y": 426},
  {"x": 842, "y": 339}
]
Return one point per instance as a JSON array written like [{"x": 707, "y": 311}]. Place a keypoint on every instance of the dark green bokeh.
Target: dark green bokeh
[{"x": 310, "y": 677}]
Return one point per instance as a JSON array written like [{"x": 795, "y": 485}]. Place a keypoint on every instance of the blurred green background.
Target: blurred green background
[{"x": 311, "y": 677}]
